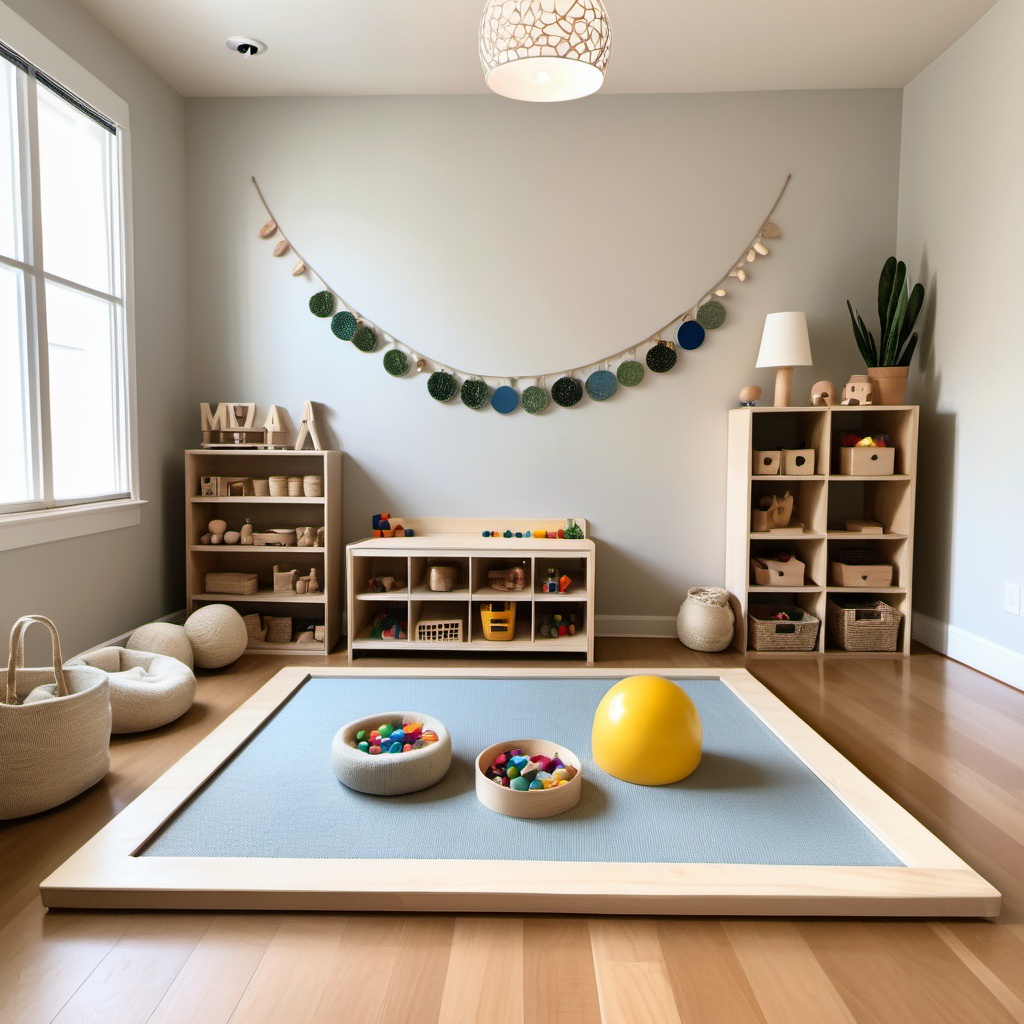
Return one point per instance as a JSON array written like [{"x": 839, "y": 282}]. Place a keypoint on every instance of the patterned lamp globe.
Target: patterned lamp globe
[{"x": 544, "y": 50}]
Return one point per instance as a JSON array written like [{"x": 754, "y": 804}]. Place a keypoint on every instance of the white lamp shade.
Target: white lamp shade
[
  {"x": 785, "y": 341},
  {"x": 544, "y": 50}
]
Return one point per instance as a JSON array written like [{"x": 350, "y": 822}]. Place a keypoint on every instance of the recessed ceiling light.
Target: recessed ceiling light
[{"x": 246, "y": 46}]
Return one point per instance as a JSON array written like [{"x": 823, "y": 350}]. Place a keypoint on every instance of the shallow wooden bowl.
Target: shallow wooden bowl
[{"x": 529, "y": 803}]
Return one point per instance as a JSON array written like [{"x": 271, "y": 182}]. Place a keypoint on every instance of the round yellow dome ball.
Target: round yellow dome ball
[{"x": 647, "y": 731}]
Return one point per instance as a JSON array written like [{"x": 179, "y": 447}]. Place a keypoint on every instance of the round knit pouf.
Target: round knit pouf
[
  {"x": 705, "y": 621},
  {"x": 217, "y": 634},
  {"x": 390, "y": 774},
  {"x": 162, "y": 638}
]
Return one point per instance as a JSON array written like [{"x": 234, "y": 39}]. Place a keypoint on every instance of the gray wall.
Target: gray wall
[
  {"x": 961, "y": 222},
  {"x": 519, "y": 239},
  {"x": 98, "y": 586}
]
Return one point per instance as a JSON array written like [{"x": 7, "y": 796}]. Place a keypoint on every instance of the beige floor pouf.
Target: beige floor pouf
[
  {"x": 146, "y": 690},
  {"x": 56, "y": 745},
  {"x": 162, "y": 638},
  {"x": 217, "y": 634}
]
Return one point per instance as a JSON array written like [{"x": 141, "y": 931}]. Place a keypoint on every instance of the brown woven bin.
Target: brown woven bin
[
  {"x": 766, "y": 633},
  {"x": 863, "y": 625}
]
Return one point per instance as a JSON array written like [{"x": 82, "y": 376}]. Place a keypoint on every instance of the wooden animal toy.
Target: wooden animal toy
[
  {"x": 217, "y": 528},
  {"x": 823, "y": 393},
  {"x": 857, "y": 390}
]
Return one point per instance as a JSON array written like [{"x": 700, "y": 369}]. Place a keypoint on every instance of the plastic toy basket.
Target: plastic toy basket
[
  {"x": 439, "y": 630},
  {"x": 498, "y": 620},
  {"x": 767, "y": 633}
]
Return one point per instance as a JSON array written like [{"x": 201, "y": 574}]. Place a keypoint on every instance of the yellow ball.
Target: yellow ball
[{"x": 647, "y": 731}]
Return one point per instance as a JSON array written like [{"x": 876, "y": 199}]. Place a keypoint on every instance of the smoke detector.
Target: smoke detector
[{"x": 246, "y": 46}]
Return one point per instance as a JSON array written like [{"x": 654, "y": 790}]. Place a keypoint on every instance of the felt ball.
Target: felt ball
[
  {"x": 661, "y": 358},
  {"x": 396, "y": 363},
  {"x": 474, "y": 393},
  {"x": 343, "y": 325},
  {"x": 505, "y": 399},
  {"x": 636, "y": 709},
  {"x": 711, "y": 315},
  {"x": 601, "y": 385},
  {"x": 322, "y": 304},
  {"x": 566, "y": 391},
  {"x": 217, "y": 634},
  {"x": 534, "y": 399},
  {"x": 690, "y": 335},
  {"x": 365, "y": 338},
  {"x": 630, "y": 373},
  {"x": 441, "y": 386},
  {"x": 163, "y": 638}
]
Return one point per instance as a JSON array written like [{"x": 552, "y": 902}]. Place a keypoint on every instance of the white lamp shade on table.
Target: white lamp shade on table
[{"x": 785, "y": 343}]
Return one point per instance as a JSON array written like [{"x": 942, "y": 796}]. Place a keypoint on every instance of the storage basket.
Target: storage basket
[
  {"x": 705, "y": 621},
  {"x": 867, "y": 461},
  {"x": 440, "y": 630},
  {"x": 861, "y": 568},
  {"x": 766, "y": 633},
  {"x": 238, "y": 583},
  {"x": 279, "y": 629},
  {"x": 53, "y": 747},
  {"x": 499, "y": 622},
  {"x": 863, "y": 625},
  {"x": 774, "y": 572}
]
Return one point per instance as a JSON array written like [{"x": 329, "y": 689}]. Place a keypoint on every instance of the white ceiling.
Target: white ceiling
[{"x": 361, "y": 47}]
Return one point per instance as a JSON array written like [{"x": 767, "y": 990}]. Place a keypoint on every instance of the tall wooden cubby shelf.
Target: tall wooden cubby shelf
[
  {"x": 268, "y": 513},
  {"x": 824, "y": 501}
]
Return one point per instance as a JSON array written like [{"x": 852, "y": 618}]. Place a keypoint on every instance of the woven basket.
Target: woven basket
[
  {"x": 54, "y": 747},
  {"x": 705, "y": 621},
  {"x": 863, "y": 625},
  {"x": 766, "y": 633}
]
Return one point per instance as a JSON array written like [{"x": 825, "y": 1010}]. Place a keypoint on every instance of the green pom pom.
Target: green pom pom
[
  {"x": 322, "y": 304},
  {"x": 474, "y": 393},
  {"x": 711, "y": 315},
  {"x": 630, "y": 373},
  {"x": 343, "y": 325},
  {"x": 566, "y": 391},
  {"x": 365, "y": 338},
  {"x": 442, "y": 386},
  {"x": 661, "y": 358},
  {"x": 534, "y": 400},
  {"x": 395, "y": 362},
  {"x": 601, "y": 385}
]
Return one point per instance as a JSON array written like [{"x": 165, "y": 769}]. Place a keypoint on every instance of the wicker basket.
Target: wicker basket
[
  {"x": 705, "y": 621},
  {"x": 863, "y": 625},
  {"x": 239, "y": 583},
  {"x": 766, "y": 633}
]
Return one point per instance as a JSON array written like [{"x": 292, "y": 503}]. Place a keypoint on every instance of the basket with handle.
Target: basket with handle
[{"x": 54, "y": 728}]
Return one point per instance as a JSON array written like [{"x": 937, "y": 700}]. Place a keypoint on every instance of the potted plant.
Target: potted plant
[{"x": 889, "y": 359}]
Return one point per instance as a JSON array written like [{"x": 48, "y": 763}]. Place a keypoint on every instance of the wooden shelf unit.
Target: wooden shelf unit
[
  {"x": 267, "y": 513},
  {"x": 460, "y": 543},
  {"x": 823, "y": 502}
]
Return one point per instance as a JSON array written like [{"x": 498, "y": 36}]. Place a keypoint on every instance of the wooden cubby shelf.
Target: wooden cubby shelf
[
  {"x": 460, "y": 543},
  {"x": 823, "y": 502},
  {"x": 268, "y": 513}
]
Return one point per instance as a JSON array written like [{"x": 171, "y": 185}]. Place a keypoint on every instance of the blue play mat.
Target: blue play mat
[{"x": 751, "y": 800}]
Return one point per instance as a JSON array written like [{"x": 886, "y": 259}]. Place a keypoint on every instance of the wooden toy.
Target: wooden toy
[
  {"x": 232, "y": 537},
  {"x": 274, "y": 429},
  {"x": 772, "y": 513},
  {"x": 246, "y": 532},
  {"x": 857, "y": 390},
  {"x": 284, "y": 579},
  {"x": 305, "y": 536},
  {"x": 217, "y": 528},
  {"x": 823, "y": 393},
  {"x": 309, "y": 583},
  {"x": 307, "y": 430},
  {"x": 750, "y": 394},
  {"x": 230, "y": 426}
]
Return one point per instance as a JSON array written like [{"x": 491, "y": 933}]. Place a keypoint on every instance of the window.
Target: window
[{"x": 64, "y": 400}]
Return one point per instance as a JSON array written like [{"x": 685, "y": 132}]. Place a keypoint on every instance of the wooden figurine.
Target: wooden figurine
[
  {"x": 857, "y": 390},
  {"x": 309, "y": 584},
  {"x": 284, "y": 579},
  {"x": 231, "y": 425},
  {"x": 307, "y": 429},
  {"x": 305, "y": 536},
  {"x": 823, "y": 393},
  {"x": 750, "y": 394}
]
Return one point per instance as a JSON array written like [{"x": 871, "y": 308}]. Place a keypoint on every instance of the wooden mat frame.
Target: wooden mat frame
[{"x": 108, "y": 873}]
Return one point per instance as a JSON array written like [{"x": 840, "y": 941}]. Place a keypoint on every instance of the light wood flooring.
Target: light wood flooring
[{"x": 946, "y": 742}]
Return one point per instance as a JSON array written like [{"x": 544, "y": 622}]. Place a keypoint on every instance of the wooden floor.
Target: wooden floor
[{"x": 943, "y": 740}]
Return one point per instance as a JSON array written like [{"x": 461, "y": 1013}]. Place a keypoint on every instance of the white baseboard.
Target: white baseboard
[
  {"x": 635, "y": 625},
  {"x": 974, "y": 651}
]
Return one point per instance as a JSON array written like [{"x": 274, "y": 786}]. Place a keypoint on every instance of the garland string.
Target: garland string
[{"x": 735, "y": 269}]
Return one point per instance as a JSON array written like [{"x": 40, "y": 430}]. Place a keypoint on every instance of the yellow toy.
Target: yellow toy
[{"x": 629, "y": 718}]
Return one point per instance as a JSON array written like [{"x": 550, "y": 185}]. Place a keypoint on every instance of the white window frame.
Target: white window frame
[{"x": 42, "y": 525}]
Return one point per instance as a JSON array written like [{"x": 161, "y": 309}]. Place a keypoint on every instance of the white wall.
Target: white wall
[
  {"x": 518, "y": 239},
  {"x": 961, "y": 222},
  {"x": 98, "y": 586}
]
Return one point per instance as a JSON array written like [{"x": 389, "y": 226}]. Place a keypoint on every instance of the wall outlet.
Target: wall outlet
[{"x": 1011, "y": 598}]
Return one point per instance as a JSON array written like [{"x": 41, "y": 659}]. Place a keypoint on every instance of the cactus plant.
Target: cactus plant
[{"x": 898, "y": 310}]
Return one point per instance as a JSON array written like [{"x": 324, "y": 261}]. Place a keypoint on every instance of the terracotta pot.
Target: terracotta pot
[{"x": 888, "y": 384}]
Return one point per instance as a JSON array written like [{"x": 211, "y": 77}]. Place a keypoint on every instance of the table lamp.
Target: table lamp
[{"x": 784, "y": 344}]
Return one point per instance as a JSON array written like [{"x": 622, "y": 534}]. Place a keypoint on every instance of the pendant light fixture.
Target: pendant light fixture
[{"x": 544, "y": 50}]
